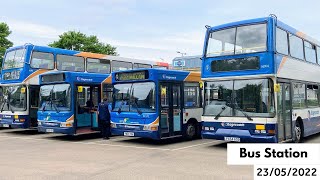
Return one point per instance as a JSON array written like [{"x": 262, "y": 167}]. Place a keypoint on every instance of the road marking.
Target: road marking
[
  {"x": 191, "y": 146},
  {"x": 124, "y": 146},
  {"x": 105, "y": 143}
]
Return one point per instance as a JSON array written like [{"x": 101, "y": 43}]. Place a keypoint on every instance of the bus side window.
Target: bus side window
[
  {"x": 164, "y": 96},
  {"x": 299, "y": 96},
  {"x": 192, "y": 95}
]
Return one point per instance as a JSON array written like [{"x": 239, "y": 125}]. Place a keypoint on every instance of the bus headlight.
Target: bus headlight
[
  {"x": 39, "y": 123},
  {"x": 113, "y": 125},
  {"x": 66, "y": 124},
  {"x": 150, "y": 127}
]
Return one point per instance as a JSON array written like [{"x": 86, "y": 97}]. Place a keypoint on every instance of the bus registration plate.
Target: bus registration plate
[
  {"x": 5, "y": 125},
  {"x": 49, "y": 130},
  {"x": 128, "y": 134},
  {"x": 235, "y": 139}
]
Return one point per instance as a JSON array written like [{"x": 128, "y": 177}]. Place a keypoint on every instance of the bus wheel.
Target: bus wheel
[
  {"x": 298, "y": 132},
  {"x": 191, "y": 131}
]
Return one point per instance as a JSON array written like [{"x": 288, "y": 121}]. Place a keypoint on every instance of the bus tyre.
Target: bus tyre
[
  {"x": 191, "y": 131},
  {"x": 298, "y": 132}
]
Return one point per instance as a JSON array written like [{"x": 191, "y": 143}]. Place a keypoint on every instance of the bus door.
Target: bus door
[
  {"x": 34, "y": 92},
  {"x": 284, "y": 113},
  {"x": 170, "y": 110},
  {"x": 87, "y": 99}
]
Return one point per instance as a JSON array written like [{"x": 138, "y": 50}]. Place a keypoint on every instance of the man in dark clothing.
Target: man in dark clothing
[{"x": 104, "y": 119}]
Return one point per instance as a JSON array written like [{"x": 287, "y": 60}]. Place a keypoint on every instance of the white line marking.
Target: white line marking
[
  {"x": 191, "y": 146},
  {"x": 102, "y": 143}
]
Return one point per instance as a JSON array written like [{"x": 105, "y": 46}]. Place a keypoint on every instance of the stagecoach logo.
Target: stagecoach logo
[
  {"x": 227, "y": 124},
  {"x": 164, "y": 76},
  {"x": 84, "y": 79},
  {"x": 6, "y": 116},
  {"x": 126, "y": 120},
  {"x": 47, "y": 118}
]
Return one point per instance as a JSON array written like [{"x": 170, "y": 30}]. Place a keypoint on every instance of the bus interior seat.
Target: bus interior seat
[
  {"x": 44, "y": 66},
  {"x": 93, "y": 70},
  {"x": 103, "y": 71},
  {"x": 70, "y": 68},
  {"x": 80, "y": 69}
]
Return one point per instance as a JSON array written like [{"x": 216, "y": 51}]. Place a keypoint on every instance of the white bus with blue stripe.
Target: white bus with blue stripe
[{"x": 261, "y": 82}]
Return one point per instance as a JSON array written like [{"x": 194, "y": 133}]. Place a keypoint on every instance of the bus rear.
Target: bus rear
[
  {"x": 150, "y": 103},
  {"x": 238, "y": 70}
]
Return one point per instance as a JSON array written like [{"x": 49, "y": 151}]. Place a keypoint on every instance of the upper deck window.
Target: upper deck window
[
  {"x": 310, "y": 52},
  {"x": 140, "y": 66},
  {"x": 70, "y": 63},
  {"x": 282, "y": 42},
  {"x": 296, "y": 47},
  {"x": 98, "y": 65},
  {"x": 14, "y": 59},
  {"x": 42, "y": 60},
  {"x": 121, "y": 65},
  {"x": 238, "y": 40}
]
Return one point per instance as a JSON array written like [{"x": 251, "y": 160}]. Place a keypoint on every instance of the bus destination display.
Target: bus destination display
[{"x": 140, "y": 75}]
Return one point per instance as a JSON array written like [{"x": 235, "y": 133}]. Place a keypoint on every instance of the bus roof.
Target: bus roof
[
  {"x": 158, "y": 75},
  {"x": 265, "y": 19}
]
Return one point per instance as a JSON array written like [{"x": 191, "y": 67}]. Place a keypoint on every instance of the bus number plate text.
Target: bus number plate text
[
  {"x": 49, "y": 130},
  {"x": 235, "y": 139},
  {"x": 128, "y": 134}
]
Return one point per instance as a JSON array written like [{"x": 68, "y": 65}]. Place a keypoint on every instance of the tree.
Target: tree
[
  {"x": 78, "y": 41},
  {"x": 4, "y": 42}
]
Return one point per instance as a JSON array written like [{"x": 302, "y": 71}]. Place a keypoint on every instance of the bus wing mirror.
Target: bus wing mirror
[{"x": 277, "y": 88}]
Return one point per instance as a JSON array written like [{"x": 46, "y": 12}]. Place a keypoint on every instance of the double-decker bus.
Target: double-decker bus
[
  {"x": 156, "y": 104},
  {"x": 22, "y": 66},
  {"x": 261, "y": 82},
  {"x": 69, "y": 101}
]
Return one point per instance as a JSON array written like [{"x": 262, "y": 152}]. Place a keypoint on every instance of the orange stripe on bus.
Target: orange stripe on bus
[
  {"x": 284, "y": 59},
  {"x": 301, "y": 34},
  {"x": 36, "y": 73},
  {"x": 90, "y": 55},
  {"x": 193, "y": 76},
  {"x": 70, "y": 118},
  {"x": 156, "y": 122}
]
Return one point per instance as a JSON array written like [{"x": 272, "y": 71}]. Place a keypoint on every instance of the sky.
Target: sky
[{"x": 147, "y": 29}]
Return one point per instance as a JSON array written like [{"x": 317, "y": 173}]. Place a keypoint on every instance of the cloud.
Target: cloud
[
  {"x": 28, "y": 29},
  {"x": 153, "y": 48}
]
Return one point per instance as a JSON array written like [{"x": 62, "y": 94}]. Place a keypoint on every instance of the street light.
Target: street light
[{"x": 182, "y": 53}]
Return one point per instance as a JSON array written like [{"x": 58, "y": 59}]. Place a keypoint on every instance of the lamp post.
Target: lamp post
[{"x": 182, "y": 53}]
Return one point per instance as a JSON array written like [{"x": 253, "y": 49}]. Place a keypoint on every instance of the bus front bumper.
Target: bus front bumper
[
  {"x": 61, "y": 130},
  {"x": 13, "y": 124},
  {"x": 238, "y": 134},
  {"x": 21, "y": 122},
  {"x": 135, "y": 133}
]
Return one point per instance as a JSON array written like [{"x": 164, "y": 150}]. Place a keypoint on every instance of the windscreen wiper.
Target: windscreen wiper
[
  {"x": 245, "y": 114},
  {"x": 219, "y": 114},
  {"x": 55, "y": 106}
]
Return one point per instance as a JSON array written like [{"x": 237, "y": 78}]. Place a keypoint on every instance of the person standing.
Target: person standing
[{"x": 104, "y": 118}]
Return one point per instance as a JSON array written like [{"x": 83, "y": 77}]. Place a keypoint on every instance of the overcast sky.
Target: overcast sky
[{"x": 147, "y": 29}]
